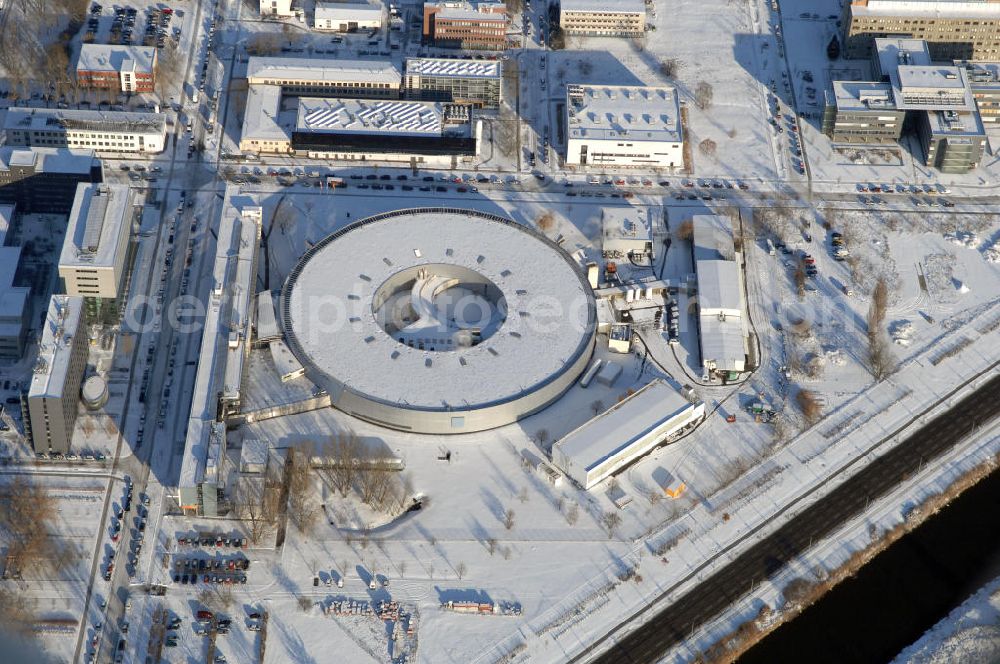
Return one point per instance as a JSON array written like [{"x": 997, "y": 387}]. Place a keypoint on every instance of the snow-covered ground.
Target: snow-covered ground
[{"x": 970, "y": 633}]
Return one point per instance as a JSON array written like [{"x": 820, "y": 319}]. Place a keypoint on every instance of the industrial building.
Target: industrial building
[
  {"x": 469, "y": 24},
  {"x": 14, "y": 299},
  {"x": 617, "y": 126},
  {"x": 953, "y": 29},
  {"x": 722, "y": 326},
  {"x": 129, "y": 69},
  {"x": 362, "y": 79},
  {"x": 408, "y": 131},
  {"x": 626, "y": 233},
  {"x": 223, "y": 359},
  {"x": 624, "y": 433},
  {"x": 44, "y": 180},
  {"x": 95, "y": 252},
  {"x": 861, "y": 113},
  {"x": 599, "y": 18},
  {"x": 101, "y": 131},
  {"x": 54, "y": 393},
  {"x": 475, "y": 82},
  {"x": 279, "y": 8},
  {"x": 343, "y": 16},
  {"x": 408, "y": 357}
]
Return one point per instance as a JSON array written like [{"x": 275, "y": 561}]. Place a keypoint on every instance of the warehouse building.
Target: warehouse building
[
  {"x": 362, "y": 79},
  {"x": 624, "y": 433},
  {"x": 101, "y": 131},
  {"x": 95, "y": 252},
  {"x": 129, "y": 69},
  {"x": 599, "y": 18},
  {"x": 408, "y": 131},
  {"x": 470, "y": 24},
  {"x": 953, "y": 29},
  {"x": 474, "y": 82},
  {"x": 54, "y": 393},
  {"x": 348, "y": 16},
  {"x": 721, "y": 322},
  {"x": 862, "y": 113},
  {"x": 44, "y": 180},
  {"x": 624, "y": 127}
]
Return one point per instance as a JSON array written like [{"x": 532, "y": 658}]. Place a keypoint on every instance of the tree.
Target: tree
[
  {"x": 264, "y": 43},
  {"x": 542, "y": 437},
  {"x": 879, "y": 358},
  {"x": 573, "y": 514},
  {"x": 670, "y": 67},
  {"x": 611, "y": 521},
  {"x": 596, "y": 407},
  {"x": 256, "y": 502},
  {"x": 508, "y": 519},
  {"x": 557, "y": 38},
  {"x": 707, "y": 147},
  {"x": 340, "y": 460},
  {"x": 703, "y": 94},
  {"x": 810, "y": 406},
  {"x": 460, "y": 570},
  {"x": 302, "y": 508},
  {"x": 491, "y": 545},
  {"x": 546, "y": 222}
]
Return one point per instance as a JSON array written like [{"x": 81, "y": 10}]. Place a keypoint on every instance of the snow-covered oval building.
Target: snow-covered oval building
[{"x": 439, "y": 320}]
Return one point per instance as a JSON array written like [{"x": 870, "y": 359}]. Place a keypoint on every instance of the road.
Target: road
[{"x": 671, "y": 625}]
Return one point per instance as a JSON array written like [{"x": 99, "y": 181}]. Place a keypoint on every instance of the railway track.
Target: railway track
[{"x": 720, "y": 590}]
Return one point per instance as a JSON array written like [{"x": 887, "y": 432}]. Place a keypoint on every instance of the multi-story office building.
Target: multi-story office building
[
  {"x": 892, "y": 52},
  {"x": 348, "y": 16},
  {"x": 101, "y": 131},
  {"x": 266, "y": 127},
  {"x": 475, "y": 82},
  {"x": 472, "y": 24},
  {"x": 953, "y": 141},
  {"x": 55, "y": 386},
  {"x": 327, "y": 78},
  {"x": 116, "y": 67},
  {"x": 14, "y": 299},
  {"x": 43, "y": 180},
  {"x": 383, "y": 130},
  {"x": 276, "y": 8},
  {"x": 862, "y": 112},
  {"x": 984, "y": 80},
  {"x": 94, "y": 258},
  {"x": 953, "y": 29},
  {"x": 599, "y": 18},
  {"x": 617, "y": 126}
]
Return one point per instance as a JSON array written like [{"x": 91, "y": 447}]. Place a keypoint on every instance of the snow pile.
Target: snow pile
[
  {"x": 966, "y": 239},
  {"x": 992, "y": 252},
  {"x": 902, "y": 332},
  {"x": 971, "y": 633}
]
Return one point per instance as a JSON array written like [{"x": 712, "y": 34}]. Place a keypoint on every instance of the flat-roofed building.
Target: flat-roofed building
[
  {"x": 953, "y": 29},
  {"x": 101, "y": 131},
  {"x": 409, "y": 131},
  {"x": 891, "y": 52},
  {"x": 626, "y": 233},
  {"x": 471, "y": 24},
  {"x": 862, "y": 112},
  {"x": 349, "y": 16},
  {"x": 94, "y": 258},
  {"x": 953, "y": 141},
  {"x": 281, "y": 8},
  {"x": 129, "y": 69},
  {"x": 54, "y": 393},
  {"x": 599, "y": 18},
  {"x": 43, "y": 180},
  {"x": 722, "y": 331},
  {"x": 14, "y": 300},
  {"x": 984, "y": 82},
  {"x": 624, "y": 126},
  {"x": 475, "y": 82},
  {"x": 266, "y": 127},
  {"x": 624, "y": 433},
  {"x": 362, "y": 79}
]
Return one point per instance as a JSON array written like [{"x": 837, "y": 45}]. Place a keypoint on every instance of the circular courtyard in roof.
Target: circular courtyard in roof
[{"x": 439, "y": 320}]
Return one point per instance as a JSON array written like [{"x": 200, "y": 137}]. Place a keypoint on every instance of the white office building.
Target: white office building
[
  {"x": 616, "y": 126},
  {"x": 349, "y": 16},
  {"x": 367, "y": 79},
  {"x": 100, "y": 131},
  {"x": 624, "y": 433},
  {"x": 599, "y": 18}
]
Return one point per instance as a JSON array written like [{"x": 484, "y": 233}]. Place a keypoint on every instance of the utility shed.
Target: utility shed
[
  {"x": 626, "y": 232},
  {"x": 624, "y": 433}
]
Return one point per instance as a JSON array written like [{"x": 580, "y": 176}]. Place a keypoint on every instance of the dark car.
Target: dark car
[{"x": 439, "y": 188}]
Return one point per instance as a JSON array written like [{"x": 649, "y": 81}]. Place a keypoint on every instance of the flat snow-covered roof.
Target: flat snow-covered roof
[
  {"x": 364, "y": 116},
  {"x": 94, "y": 231},
  {"x": 719, "y": 286},
  {"x": 62, "y": 323},
  {"x": 263, "y": 118},
  {"x": 864, "y": 96},
  {"x": 111, "y": 57},
  {"x": 314, "y": 69},
  {"x": 624, "y": 424},
  {"x": 603, "y": 6},
  {"x": 348, "y": 11},
  {"x": 454, "y": 67},
  {"x": 928, "y": 8},
  {"x": 49, "y": 160},
  {"x": 620, "y": 112},
  {"x": 119, "y": 121}
]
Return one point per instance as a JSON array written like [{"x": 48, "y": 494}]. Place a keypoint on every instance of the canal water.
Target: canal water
[{"x": 900, "y": 594}]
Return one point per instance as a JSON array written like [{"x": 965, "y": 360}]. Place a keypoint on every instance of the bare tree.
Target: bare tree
[
  {"x": 707, "y": 147},
  {"x": 305, "y": 603},
  {"x": 611, "y": 521},
  {"x": 508, "y": 519},
  {"x": 573, "y": 514},
  {"x": 670, "y": 67},
  {"x": 264, "y": 43},
  {"x": 341, "y": 454},
  {"x": 460, "y": 570},
  {"x": 256, "y": 501},
  {"x": 596, "y": 407},
  {"x": 880, "y": 359},
  {"x": 546, "y": 222},
  {"x": 686, "y": 230},
  {"x": 810, "y": 406},
  {"x": 542, "y": 437},
  {"x": 303, "y": 510},
  {"x": 703, "y": 95},
  {"x": 491, "y": 545}
]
